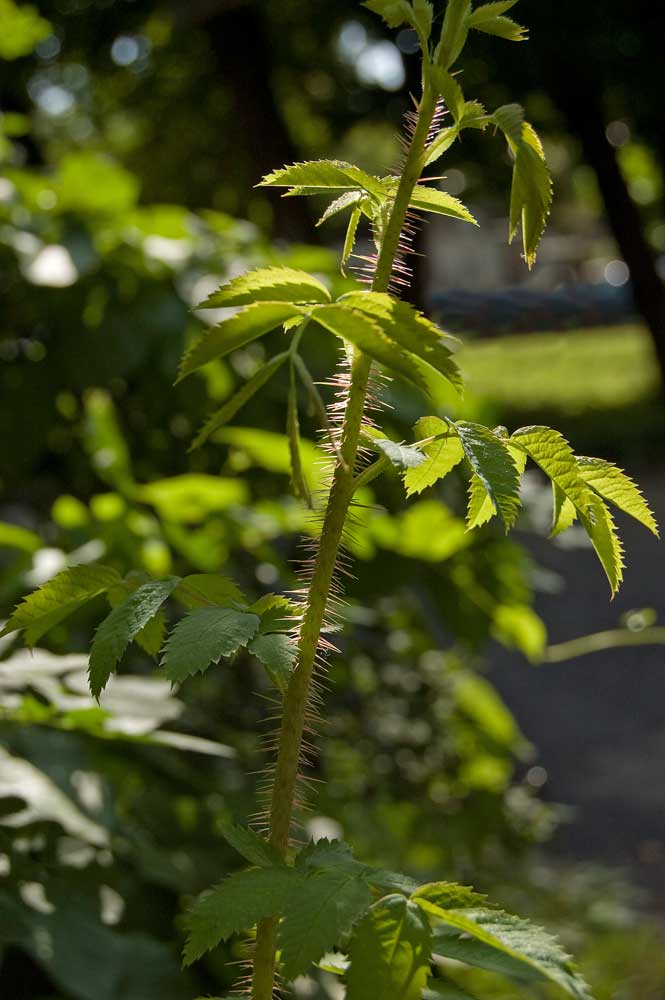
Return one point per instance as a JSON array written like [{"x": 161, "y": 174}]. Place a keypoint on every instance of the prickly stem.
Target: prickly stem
[{"x": 341, "y": 494}]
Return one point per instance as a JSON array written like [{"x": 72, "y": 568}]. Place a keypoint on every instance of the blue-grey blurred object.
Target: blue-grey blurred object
[{"x": 522, "y": 310}]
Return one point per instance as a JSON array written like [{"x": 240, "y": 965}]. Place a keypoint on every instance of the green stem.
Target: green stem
[
  {"x": 614, "y": 639},
  {"x": 341, "y": 493}
]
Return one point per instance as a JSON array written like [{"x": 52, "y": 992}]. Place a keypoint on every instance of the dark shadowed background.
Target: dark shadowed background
[{"x": 462, "y": 741}]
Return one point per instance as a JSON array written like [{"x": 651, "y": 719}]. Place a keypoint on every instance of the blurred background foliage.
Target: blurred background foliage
[{"x": 131, "y": 137}]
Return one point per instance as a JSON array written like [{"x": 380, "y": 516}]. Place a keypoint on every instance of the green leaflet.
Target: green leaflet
[
  {"x": 510, "y": 119},
  {"x": 601, "y": 529},
  {"x": 612, "y": 484},
  {"x": 277, "y": 652},
  {"x": 489, "y": 18},
  {"x": 121, "y": 626},
  {"x": 393, "y": 12},
  {"x": 400, "y": 455},
  {"x": 473, "y": 115},
  {"x": 365, "y": 333},
  {"x": 350, "y": 239},
  {"x": 481, "y": 508},
  {"x": 531, "y": 194},
  {"x": 319, "y": 176},
  {"x": 500, "y": 942},
  {"x": 268, "y": 284},
  {"x": 235, "y": 905},
  {"x": 203, "y": 636},
  {"x": 449, "y": 89},
  {"x": 409, "y": 329},
  {"x": 449, "y": 896},
  {"x": 351, "y": 199},
  {"x": 237, "y": 401},
  {"x": 564, "y": 511},
  {"x": 58, "y": 598},
  {"x": 250, "y": 845},
  {"x": 320, "y": 910},
  {"x": 298, "y": 479},
  {"x": 277, "y": 613},
  {"x": 251, "y": 322},
  {"x": 454, "y": 32},
  {"x": 390, "y": 952},
  {"x": 427, "y": 199},
  {"x": 442, "y": 455},
  {"x": 335, "y": 853},
  {"x": 151, "y": 636},
  {"x": 550, "y": 450},
  {"x": 201, "y": 590},
  {"x": 492, "y": 462}
]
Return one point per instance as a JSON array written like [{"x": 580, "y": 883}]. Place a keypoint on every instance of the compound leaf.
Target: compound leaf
[
  {"x": 442, "y": 455},
  {"x": 322, "y": 908},
  {"x": 121, "y": 626},
  {"x": 495, "y": 467},
  {"x": 612, "y": 483},
  {"x": 251, "y": 322},
  {"x": 203, "y": 636},
  {"x": 390, "y": 952},
  {"x": 500, "y": 942},
  {"x": 237, "y": 401},
  {"x": 235, "y": 905},
  {"x": 268, "y": 284},
  {"x": 58, "y": 598}
]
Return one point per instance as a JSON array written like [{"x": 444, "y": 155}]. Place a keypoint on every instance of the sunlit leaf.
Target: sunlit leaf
[{"x": 268, "y": 284}]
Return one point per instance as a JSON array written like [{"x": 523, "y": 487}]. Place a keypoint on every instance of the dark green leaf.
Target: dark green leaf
[
  {"x": 235, "y": 905},
  {"x": 203, "y": 636},
  {"x": 277, "y": 652},
  {"x": 319, "y": 911},
  {"x": 59, "y": 598},
  {"x": 121, "y": 626}
]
